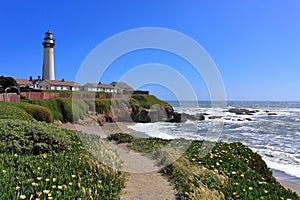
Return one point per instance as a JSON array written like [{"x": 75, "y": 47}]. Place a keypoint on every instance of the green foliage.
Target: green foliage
[
  {"x": 61, "y": 168},
  {"x": 120, "y": 138},
  {"x": 145, "y": 101},
  {"x": 228, "y": 171},
  {"x": 102, "y": 105},
  {"x": 39, "y": 113},
  {"x": 29, "y": 137},
  {"x": 8, "y": 111},
  {"x": 64, "y": 109}
]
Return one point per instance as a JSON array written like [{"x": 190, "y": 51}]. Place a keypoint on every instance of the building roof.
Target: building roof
[
  {"x": 62, "y": 83},
  {"x": 107, "y": 86},
  {"x": 121, "y": 85},
  {"x": 21, "y": 81}
]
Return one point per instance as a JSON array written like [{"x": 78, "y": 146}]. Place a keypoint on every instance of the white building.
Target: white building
[
  {"x": 99, "y": 87},
  {"x": 24, "y": 83},
  {"x": 59, "y": 85}
]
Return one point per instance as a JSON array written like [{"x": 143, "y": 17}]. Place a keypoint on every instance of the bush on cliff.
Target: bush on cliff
[
  {"x": 64, "y": 109},
  {"x": 41, "y": 161},
  {"x": 39, "y": 113},
  {"x": 8, "y": 111}
]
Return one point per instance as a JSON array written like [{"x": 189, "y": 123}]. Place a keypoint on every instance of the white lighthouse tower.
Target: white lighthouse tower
[{"x": 48, "y": 61}]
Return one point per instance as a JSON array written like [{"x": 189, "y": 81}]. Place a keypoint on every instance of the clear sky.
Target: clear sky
[{"x": 255, "y": 44}]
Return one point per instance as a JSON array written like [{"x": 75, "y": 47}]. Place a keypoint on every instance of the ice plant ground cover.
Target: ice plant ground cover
[
  {"x": 41, "y": 161},
  {"x": 228, "y": 171}
]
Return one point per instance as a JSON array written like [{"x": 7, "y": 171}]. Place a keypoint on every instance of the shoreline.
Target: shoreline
[{"x": 284, "y": 179}]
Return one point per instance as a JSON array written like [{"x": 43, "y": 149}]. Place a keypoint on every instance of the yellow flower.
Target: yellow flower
[
  {"x": 53, "y": 186},
  {"x": 47, "y": 179},
  {"x": 54, "y": 179},
  {"x": 60, "y": 187},
  {"x": 250, "y": 188},
  {"x": 16, "y": 155},
  {"x": 46, "y": 191},
  {"x": 266, "y": 191},
  {"x": 235, "y": 193},
  {"x": 39, "y": 178},
  {"x": 45, "y": 156},
  {"x": 233, "y": 172},
  {"x": 22, "y": 197},
  {"x": 50, "y": 197},
  {"x": 70, "y": 183},
  {"x": 39, "y": 168},
  {"x": 73, "y": 176},
  {"x": 4, "y": 171},
  {"x": 18, "y": 187},
  {"x": 34, "y": 184},
  {"x": 244, "y": 190},
  {"x": 242, "y": 175}
]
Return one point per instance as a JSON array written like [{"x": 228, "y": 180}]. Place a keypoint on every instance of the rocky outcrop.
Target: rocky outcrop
[
  {"x": 156, "y": 113},
  {"x": 182, "y": 117},
  {"x": 241, "y": 111}
]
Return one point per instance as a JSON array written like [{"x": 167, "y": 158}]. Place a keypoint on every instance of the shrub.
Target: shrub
[
  {"x": 63, "y": 109},
  {"x": 39, "y": 113},
  {"x": 120, "y": 137},
  {"x": 23, "y": 137},
  {"x": 8, "y": 111},
  {"x": 63, "y": 168}
]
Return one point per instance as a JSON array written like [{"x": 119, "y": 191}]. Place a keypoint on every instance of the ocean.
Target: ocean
[{"x": 272, "y": 130}]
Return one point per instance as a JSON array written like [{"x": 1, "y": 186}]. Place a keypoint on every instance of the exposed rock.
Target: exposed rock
[
  {"x": 142, "y": 116},
  {"x": 241, "y": 111},
  {"x": 248, "y": 119},
  {"x": 201, "y": 117},
  {"x": 271, "y": 113},
  {"x": 175, "y": 118},
  {"x": 214, "y": 117}
]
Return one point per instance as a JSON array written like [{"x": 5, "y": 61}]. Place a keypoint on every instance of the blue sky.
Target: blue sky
[{"x": 255, "y": 44}]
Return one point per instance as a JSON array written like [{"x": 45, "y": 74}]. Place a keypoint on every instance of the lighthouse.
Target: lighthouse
[{"x": 48, "y": 60}]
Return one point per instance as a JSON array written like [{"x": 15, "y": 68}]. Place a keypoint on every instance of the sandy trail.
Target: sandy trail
[{"x": 144, "y": 181}]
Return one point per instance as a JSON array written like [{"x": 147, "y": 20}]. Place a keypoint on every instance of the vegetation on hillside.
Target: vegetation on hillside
[
  {"x": 41, "y": 161},
  {"x": 228, "y": 171},
  {"x": 8, "y": 111},
  {"x": 71, "y": 110}
]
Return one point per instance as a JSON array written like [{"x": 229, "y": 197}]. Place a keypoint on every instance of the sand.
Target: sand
[{"x": 293, "y": 187}]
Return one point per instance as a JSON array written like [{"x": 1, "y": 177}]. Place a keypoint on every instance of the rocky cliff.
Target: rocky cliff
[{"x": 139, "y": 108}]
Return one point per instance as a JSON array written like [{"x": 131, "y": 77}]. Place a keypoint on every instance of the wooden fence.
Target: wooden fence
[{"x": 10, "y": 97}]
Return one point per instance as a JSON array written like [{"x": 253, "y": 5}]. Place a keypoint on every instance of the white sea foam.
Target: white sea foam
[
  {"x": 152, "y": 129},
  {"x": 291, "y": 169},
  {"x": 275, "y": 137}
]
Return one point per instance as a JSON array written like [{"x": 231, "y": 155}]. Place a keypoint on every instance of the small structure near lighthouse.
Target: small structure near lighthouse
[{"x": 48, "y": 60}]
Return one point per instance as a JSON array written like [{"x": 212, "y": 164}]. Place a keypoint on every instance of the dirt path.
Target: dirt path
[{"x": 144, "y": 181}]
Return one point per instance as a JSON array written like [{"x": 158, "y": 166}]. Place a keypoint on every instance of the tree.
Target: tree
[{"x": 8, "y": 84}]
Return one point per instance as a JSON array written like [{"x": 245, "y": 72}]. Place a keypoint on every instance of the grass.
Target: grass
[
  {"x": 228, "y": 171},
  {"x": 71, "y": 110},
  {"x": 22, "y": 110},
  {"x": 8, "y": 111},
  {"x": 41, "y": 161}
]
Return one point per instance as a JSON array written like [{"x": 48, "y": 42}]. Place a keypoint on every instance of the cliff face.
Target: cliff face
[{"x": 139, "y": 108}]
